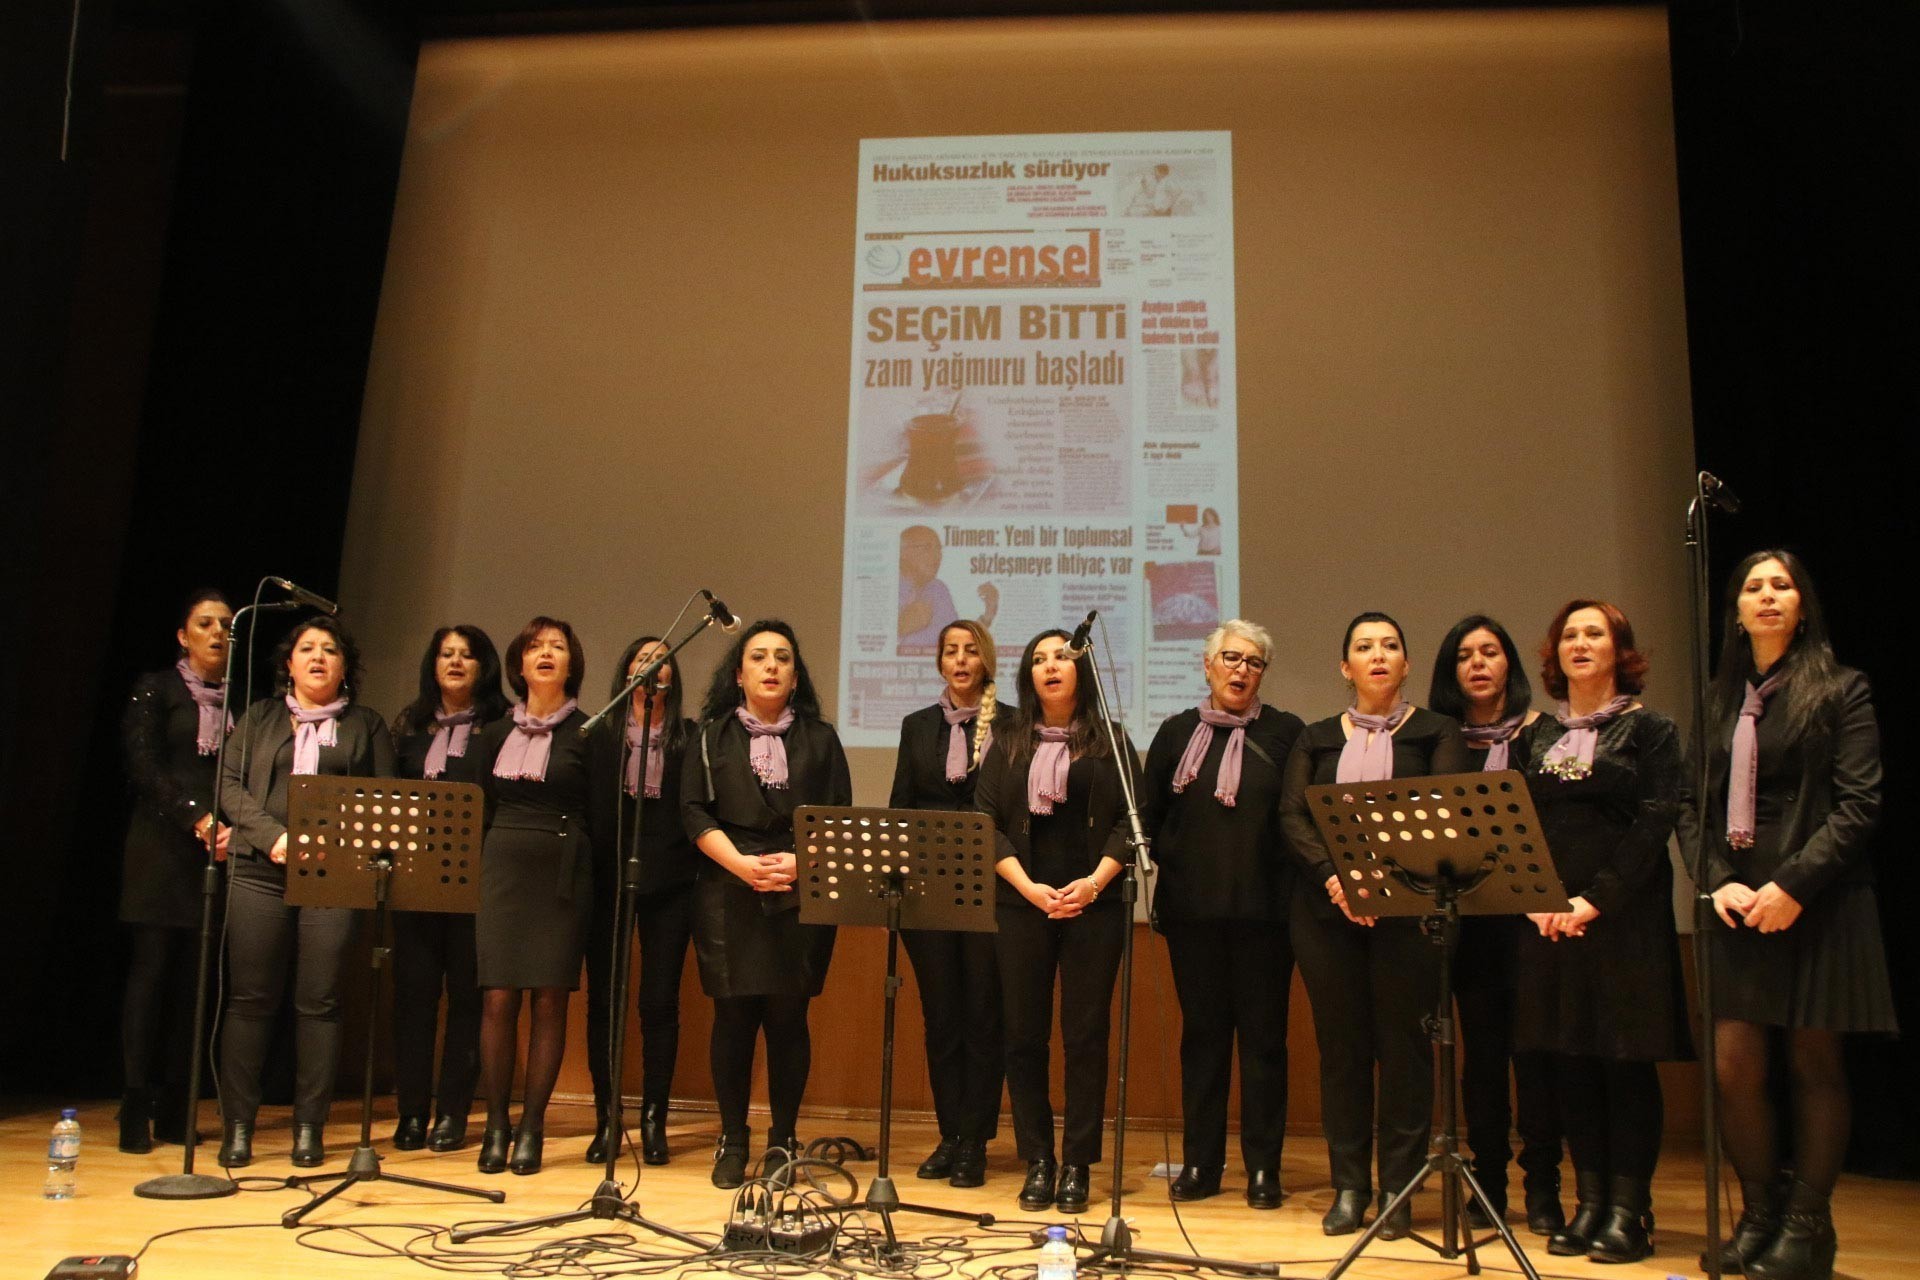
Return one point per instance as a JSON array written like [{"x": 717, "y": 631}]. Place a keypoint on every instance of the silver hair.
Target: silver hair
[{"x": 1217, "y": 638}]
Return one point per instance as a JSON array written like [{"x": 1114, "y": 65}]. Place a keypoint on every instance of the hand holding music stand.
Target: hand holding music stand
[
  {"x": 899, "y": 868},
  {"x": 1438, "y": 848},
  {"x": 381, "y": 843}
]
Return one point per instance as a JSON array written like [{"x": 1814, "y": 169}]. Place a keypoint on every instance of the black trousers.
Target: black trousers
[
  {"x": 665, "y": 924},
  {"x": 1232, "y": 977},
  {"x": 1370, "y": 989},
  {"x": 737, "y": 1024},
  {"x": 156, "y": 1016},
  {"x": 958, "y": 975},
  {"x": 434, "y": 950},
  {"x": 265, "y": 939},
  {"x": 1085, "y": 954},
  {"x": 1486, "y": 1050}
]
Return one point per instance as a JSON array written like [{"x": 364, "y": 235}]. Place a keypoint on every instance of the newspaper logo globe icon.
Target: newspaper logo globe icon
[{"x": 883, "y": 260}]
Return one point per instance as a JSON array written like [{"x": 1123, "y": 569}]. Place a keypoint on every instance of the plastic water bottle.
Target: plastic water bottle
[
  {"x": 63, "y": 1156},
  {"x": 1057, "y": 1261}
]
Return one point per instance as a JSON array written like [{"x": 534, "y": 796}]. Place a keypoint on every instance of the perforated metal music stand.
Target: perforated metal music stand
[
  {"x": 1437, "y": 848},
  {"x": 385, "y": 844},
  {"x": 898, "y": 868}
]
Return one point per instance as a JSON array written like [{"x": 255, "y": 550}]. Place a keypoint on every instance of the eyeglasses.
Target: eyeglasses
[{"x": 1234, "y": 658}]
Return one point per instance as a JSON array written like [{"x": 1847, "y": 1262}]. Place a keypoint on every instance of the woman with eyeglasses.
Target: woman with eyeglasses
[{"x": 1210, "y": 805}]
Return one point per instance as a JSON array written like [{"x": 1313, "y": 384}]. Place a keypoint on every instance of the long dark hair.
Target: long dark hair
[
  {"x": 333, "y": 626},
  {"x": 1813, "y": 674},
  {"x": 1085, "y": 737},
  {"x": 724, "y": 692},
  {"x": 489, "y": 699},
  {"x": 1444, "y": 694},
  {"x": 675, "y": 728}
]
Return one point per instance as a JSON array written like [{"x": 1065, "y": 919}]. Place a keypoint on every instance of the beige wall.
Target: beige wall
[{"x": 611, "y": 360}]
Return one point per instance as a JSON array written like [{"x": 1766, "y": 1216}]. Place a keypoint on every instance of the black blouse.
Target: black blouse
[
  {"x": 667, "y": 857},
  {"x": 1093, "y": 790},
  {"x": 1220, "y": 863},
  {"x": 410, "y": 754}
]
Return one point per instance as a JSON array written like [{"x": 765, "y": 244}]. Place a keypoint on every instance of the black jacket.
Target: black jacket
[
  {"x": 920, "y": 770},
  {"x": 1001, "y": 794},
  {"x": 256, "y": 803},
  {"x": 172, "y": 785}
]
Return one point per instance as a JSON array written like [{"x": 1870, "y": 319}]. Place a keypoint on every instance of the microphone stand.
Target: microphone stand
[
  {"x": 1700, "y": 599},
  {"x": 608, "y": 1202},
  {"x": 1116, "y": 1237}
]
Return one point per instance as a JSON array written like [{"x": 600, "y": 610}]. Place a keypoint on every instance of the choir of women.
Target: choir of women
[
  {"x": 1052, "y": 787},
  {"x": 1370, "y": 982},
  {"x": 1480, "y": 681},
  {"x": 314, "y": 728},
  {"x": 170, "y": 732},
  {"x": 631, "y": 783},
  {"x": 1793, "y": 755},
  {"x": 763, "y": 751},
  {"x": 536, "y": 884},
  {"x": 1580, "y": 1005},
  {"x": 1211, "y": 805},
  {"x": 1600, "y": 982},
  {"x": 941, "y": 747},
  {"x": 434, "y": 736}
]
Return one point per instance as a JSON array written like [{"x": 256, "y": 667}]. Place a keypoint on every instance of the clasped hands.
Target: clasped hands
[
  {"x": 768, "y": 872},
  {"x": 219, "y": 842},
  {"x": 1555, "y": 925},
  {"x": 1768, "y": 908},
  {"x": 1063, "y": 903}
]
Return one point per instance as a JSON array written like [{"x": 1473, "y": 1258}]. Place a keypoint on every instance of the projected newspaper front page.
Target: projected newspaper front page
[{"x": 1041, "y": 418}]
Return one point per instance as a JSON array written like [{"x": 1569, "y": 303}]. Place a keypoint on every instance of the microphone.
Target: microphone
[
  {"x": 1082, "y": 636},
  {"x": 721, "y": 614},
  {"x": 313, "y": 599},
  {"x": 1717, "y": 495}
]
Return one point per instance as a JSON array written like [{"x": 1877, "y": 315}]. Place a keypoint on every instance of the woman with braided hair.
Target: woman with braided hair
[{"x": 940, "y": 751}]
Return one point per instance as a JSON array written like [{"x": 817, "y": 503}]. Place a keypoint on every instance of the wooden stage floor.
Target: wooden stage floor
[{"x": 1877, "y": 1221}]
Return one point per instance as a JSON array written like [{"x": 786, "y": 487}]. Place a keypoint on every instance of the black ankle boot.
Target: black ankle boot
[
  {"x": 1399, "y": 1223},
  {"x": 730, "y": 1161},
  {"x": 1036, "y": 1193},
  {"x": 449, "y": 1133},
  {"x": 493, "y": 1150},
  {"x": 1806, "y": 1244},
  {"x": 604, "y": 1136},
  {"x": 236, "y": 1147},
  {"x": 939, "y": 1162},
  {"x": 309, "y": 1149},
  {"x": 783, "y": 1149},
  {"x": 136, "y": 1117},
  {"x": 410, "y": 1133},
  {"x": 1626, "y": 1233},
  {"x": 1348, "y": 1211},
  {"x": 529, "y": 1145},
  {"x": 1494, "y": 1182},
  {"x": 1571, "y": 1240},
  {"x": 1195, "y": 1183},
  {"x": 1759, "y": 1224},
  {"x": 653, "y": 1132},
  {"x": 1544, "y": 1215}
]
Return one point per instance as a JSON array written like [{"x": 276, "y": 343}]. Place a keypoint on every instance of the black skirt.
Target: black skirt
[
  {"x": 1828, "y": 972},
  {"x": 753, "y": 944},
  {"x": 536, "y": 893}
]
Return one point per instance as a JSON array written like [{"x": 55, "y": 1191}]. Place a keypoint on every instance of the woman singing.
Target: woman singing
[
  {"x": 1211, "y": 806},
  {"x": 762, "y": 752},
  {"x": 1794, "y": 796},
  {"x": 169, "y": 735},
  {"x": 1371, "y": 983},
  {"x": 663, "y": 905},
  {"x": 459, "y": 694},
  {"x": 1052, "y": 787},
  {"x": 314, "y": 728},
  {"x": 536, "y": 884},
  {"x": 941, "y": 747},
  {"x": 1479, "y": 681},
  {"x": 1600, "y": 982}
]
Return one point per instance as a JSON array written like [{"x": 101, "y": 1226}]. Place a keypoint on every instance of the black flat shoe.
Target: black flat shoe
[
  {"x": 1349, "y": 1210},
  {"x": 527, "y": 1147},
  {"x": 1195, "y": 1183},
  {"x": 136, "y": 1118},
  {"x": 1263, "y": 1189},
  {"x": 653, "y": 1132},
  {"x": 236, "y": 1147},
  {"x": 309, "y": 1152},
  {"x": 410, "y": 1134},
  {"x": 1544, "y": 1215},
  {"x": 449, "y": 1133},
  {"x": 940, "y": 1163},
  {"x": 493, "y": 1150},
  {"x": 1036, "y": 1193},
  {"x": 969, "y": 1164},
  {"x": 1075, "y": 1186},
  {"x": 730, "y": 1161}
]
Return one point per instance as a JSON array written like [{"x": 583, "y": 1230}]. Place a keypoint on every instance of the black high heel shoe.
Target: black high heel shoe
[
  {"x": 410, "y": 1134},
  {"x": 309, "y": 1152},
  {"x": 527, "y": 1147},
  {"x": 449, "y": 1133},
  {"x": 236, "y": 1147},
  {"x": 653, "y": 1132},
  {"x": 493, "y": 1150}
]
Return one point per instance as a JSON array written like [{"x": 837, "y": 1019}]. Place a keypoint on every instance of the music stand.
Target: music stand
[
  {"x": 898, "y": 868},
  {"x": 381, "y": 843},
  {"x": 1437, "y": 848}
]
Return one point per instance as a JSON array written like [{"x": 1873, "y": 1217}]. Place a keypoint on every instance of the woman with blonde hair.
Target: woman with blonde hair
[{"x": 940, "y": 751}]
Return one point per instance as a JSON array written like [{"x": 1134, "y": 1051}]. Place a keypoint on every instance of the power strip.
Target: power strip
[{"x": 802, "y": 1237}]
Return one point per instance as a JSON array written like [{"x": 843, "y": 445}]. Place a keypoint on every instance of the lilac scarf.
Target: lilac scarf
[
  {"x": 1226, "y": 786},
  {"x": 959, "y": 746},
  {"x": 1368, "y": 755},
  {"x": 656, "y": 759},
  {"x": 1047, "y": 776},
  {"x": 767, "y": 745},
  {"x": 1571, "y": 758},
  {"x": 525, "y": 753},
  {"x": 451, "y": 733},
  {"x": 206, "y": 696},
  {"x": 1494, "y": 737},
  {"x": 1743, "y": 776},
  {"x": 318, "y": 728}
]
